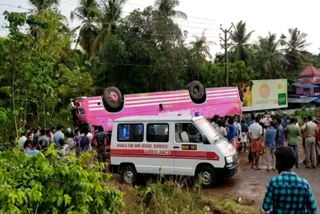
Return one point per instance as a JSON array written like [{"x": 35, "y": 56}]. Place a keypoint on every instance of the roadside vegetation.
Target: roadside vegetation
[
  {"x": 47, "y": 183},
  {"x": 172, "y": 197},
  {"x": 47, "y": 59}
]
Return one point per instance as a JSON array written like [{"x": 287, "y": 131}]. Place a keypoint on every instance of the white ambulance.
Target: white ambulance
[{"x": 170, "y": 145}]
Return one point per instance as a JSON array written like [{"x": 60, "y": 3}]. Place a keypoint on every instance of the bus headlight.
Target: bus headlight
[{"x": 229, "y": 159}]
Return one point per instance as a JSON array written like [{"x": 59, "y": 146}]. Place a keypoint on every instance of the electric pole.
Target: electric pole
[{"x": 225, "y": 45}]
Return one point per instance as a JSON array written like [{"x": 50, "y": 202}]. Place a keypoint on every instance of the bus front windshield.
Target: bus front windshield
[{"x": 208, "y": 130}]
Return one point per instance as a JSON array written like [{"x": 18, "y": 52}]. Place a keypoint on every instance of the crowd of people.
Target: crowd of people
[
  {"x": 32, "y": 141},
  {"x": 266, "y": 133},
  {"x": 278, "y": 136}
]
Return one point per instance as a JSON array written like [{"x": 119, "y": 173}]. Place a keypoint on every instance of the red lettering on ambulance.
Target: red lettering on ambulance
[
  {"x": 122, "y": 145},
  {"x": 160, "y": 146},
  {"x": 157, "y": 152}
]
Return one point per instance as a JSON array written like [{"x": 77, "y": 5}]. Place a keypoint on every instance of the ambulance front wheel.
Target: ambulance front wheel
[
  {"x": 207, "y": 176},
  {"x": 129, "y": 174}
]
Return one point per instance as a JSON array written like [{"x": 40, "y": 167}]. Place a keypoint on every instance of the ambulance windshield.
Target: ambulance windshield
[{"x": 208, "y": 130}]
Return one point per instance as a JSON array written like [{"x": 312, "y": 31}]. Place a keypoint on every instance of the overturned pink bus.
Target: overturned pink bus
[{"x": 103, "y": 110}]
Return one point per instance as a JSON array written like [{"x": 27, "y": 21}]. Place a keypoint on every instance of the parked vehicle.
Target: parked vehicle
[{"x": 170, "y": 145}]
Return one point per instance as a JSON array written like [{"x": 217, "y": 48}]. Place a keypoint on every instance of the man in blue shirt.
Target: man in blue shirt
[
  {"x": 280, "y": 134},
  {"x": 287, "y": 193},
  {"x": 252, "y": 120},
  {"x": 232, "y": 132},
  {"x": 43, "y": 138},
  {"x": 58, "y": 135},
  {"x": 270, "y": 140}
]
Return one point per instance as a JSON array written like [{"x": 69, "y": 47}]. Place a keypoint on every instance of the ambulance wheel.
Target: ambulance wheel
[
  {"x": 196, "y": 90},
  {"x": 207, "y": 176},
  {"x": 112, "y": 98},
  {"x": 129, "y": 174}
]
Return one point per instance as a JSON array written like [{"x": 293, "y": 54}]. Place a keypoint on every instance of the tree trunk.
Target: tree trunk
[{"x": 14, "y": 109}]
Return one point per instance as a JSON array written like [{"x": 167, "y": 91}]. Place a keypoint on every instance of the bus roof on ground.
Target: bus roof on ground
[{"x": 156, "y": 118}]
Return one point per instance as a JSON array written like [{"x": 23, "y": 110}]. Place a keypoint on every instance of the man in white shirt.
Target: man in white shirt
[
  {"x": 214, "y": 121},
  {"x": 255, "y": 134},
  {"x": 22, "y": 139},
  {"x": 238, "y": 125}
]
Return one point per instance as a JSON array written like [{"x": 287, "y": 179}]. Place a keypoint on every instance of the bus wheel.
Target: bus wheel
[
  {"x": 207, "y": 176},
  {"x": 129, "y": 174},
  {"x": 196, "y": 90},
  {"x": 112, "y": 97}
]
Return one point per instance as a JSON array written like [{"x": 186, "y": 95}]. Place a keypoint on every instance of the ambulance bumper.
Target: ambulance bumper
[{"x": 231, "y": 169}]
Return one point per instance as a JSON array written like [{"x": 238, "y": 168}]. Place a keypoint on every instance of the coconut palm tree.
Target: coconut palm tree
[
  {"x": 163, "y": 14},
  {"x": 88, "y": 12},
  {"x": 201, "y": 47},
  {"x": 199, "y": 51},
  {"x": 294, "y": 48},
  {"x": 111, "y": 11},
  {"x": 269, "y": 58},
  {"x": 167, "y": 8},
  {"x": 240, "y": 48},
  {"x": 42, "y": 5}
]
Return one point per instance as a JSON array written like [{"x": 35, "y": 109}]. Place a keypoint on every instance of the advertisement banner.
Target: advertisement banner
[{"x": 264, "y": 94}]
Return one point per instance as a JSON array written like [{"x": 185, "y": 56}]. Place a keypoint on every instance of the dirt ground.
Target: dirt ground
[{"x": 249, "y": 184}]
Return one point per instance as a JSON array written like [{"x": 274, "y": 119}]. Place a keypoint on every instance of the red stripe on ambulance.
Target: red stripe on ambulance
[{"x": 173, "y": 154}]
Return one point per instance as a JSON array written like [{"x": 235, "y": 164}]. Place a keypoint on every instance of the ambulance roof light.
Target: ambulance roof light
[{"x": 196, "y": 114}]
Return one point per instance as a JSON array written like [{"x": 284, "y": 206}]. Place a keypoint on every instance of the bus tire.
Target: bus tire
[
  {"x": 207, "y": 176},
  {"x": 129, "y": 174},
  {"x": 112, "y": 97},
  {"x": 196, "y": 90}
]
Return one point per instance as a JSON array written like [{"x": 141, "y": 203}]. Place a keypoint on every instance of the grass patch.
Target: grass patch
[
  {"x": 173, "y": 198},
  {"x": 230, "y": 206}
]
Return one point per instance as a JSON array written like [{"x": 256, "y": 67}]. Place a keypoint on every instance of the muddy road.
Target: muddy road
[{"x": 250, "y": 184}]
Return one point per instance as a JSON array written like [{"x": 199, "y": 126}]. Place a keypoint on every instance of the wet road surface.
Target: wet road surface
[{"x": 250, "y": 184}]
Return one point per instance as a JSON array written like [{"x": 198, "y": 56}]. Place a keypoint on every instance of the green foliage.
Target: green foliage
[
  {"x": 144, "y": 51},
  {"x": 35, "y": 80},
  {"x": 175, "y": 197},
  {"x": 170, "y": 197},
  {"x": 239, "y": 74},
  {"x": 45, "y": 183}
]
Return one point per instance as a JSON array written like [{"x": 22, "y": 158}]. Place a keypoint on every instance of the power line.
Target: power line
[
  {"x": 159, "y": 34},
  {"x": 154, "y": 34},
  {"x": 182, "y": 25},
  {"x": 194, "y": 17},
  {"x": 13, "y": 6},
  {"x": 29, "y": 9},
  {"x": 144, "y": 6}
]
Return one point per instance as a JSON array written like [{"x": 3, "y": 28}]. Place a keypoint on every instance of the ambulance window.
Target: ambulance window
[
  {"x": 157, "y": 132},
  {"x": 130, "y": 132},
  {"x": 187, "y": 132}
]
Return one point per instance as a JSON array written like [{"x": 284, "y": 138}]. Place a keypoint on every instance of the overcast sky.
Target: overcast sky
[{"x": 276, "y": 16}]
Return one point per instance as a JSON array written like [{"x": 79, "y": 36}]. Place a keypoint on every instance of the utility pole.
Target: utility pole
[{"x": 225, "y": 45}]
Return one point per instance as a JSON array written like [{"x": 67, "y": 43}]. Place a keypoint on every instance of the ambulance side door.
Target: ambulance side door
[
  {"x": 159, "y": 154},
  {"x": 188, "y": 148}
]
